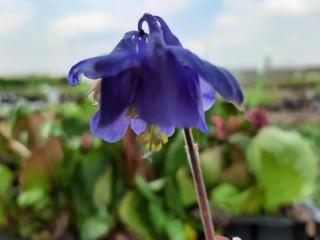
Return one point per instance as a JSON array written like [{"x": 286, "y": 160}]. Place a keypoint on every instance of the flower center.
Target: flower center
[{"x": 152, "y": 138}]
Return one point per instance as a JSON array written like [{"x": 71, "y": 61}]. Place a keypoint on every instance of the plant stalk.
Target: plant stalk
[{"x": 193, "y": 157}]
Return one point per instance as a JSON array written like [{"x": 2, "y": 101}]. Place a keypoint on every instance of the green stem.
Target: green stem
[{"x": 194, "y": 162}]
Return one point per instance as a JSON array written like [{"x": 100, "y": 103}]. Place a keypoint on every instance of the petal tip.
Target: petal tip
[
  {"x": 72, "y": 78},
  {"x": 202, "y": 126}
]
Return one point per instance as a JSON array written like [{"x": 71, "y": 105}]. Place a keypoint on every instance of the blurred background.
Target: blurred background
[{"x": 260, "y": 165}]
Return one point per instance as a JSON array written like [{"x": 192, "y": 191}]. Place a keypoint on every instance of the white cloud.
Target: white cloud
[
  {"x": 164, "y": 6},
  {"x": 8, "y": 21},
  {"x": 242, "y": 34},
  {"x": 293, "y": 7},
  {"x": 120, "y": 18},
  {"x": 140, "y": 6},
  {"x": 14, "y": 14},
  {"x": 196, "y": 46},
  {"x": 226, "y": 20},
  {"x": 52, "y": 43},
  {"x": 84, "y": 22},
  {"x": 248, "y": 31}
]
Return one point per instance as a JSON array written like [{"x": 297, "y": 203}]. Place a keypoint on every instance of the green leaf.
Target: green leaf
[
  {"x": 200, "y": 138},
  {"x": 102, "y": 193},
  {"x": 253, "y": 200},
  {"x": 190, "y": 232},
  {"x": 2, "y": 215},
  {"x": 284, "y": 165},
  {"x": 175, "y": 230},
  {"x": 186, "y": 188},
  {"x": 95, "y": 227},
  {"x": 71, "y": 109},
  {"x": 211, "y": 165},
  {"x": 159, "y": 218},
  {"x": 92, "y": 166},
  {"x": 173, "y": 198},
  {"x": 223, "y": 109},
  {"x": 145, "y": 189},
  {"x": 176, "y": 154},
  {"x": 6, "y": 178},
  {"x": 226, "y": 197},
  {"x": 158, "y": 184},
  {"x": 34, "y": 197},
  {"x": 240, "y": 139},
  {"x": 30, "y": 227},
  {"x": 229, "y": 199},
  {"x": 130, "y": 213},
  {"x": 20, "y": 111}
]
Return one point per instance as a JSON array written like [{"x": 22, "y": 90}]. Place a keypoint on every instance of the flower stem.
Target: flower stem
[{"x": 194, "y": 162}]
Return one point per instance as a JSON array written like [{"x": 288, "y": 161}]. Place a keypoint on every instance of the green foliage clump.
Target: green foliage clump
[
  {"x": 57, "y": 180},
  {"x": 284, "y": 164}
]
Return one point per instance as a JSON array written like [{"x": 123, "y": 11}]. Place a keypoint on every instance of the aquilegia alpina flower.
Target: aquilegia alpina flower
[{"x": 149, "y": 81}]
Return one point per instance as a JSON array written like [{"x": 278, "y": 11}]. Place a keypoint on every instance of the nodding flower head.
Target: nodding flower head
[{"x": 149, "y": 81}]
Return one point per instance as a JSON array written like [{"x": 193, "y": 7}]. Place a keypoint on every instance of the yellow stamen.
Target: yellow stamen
[{"x": 152, "y": 138}]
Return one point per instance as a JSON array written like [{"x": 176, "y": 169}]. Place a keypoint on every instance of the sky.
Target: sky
[{"x": 49, "y": 36}]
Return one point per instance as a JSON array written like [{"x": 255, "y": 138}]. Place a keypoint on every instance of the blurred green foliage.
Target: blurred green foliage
[
  {"x": 57, "y": 181},
  {"x": 279, "y": 159}
]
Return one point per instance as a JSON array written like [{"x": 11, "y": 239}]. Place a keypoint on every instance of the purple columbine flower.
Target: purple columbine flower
[{"x": 149, "y": 81}]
